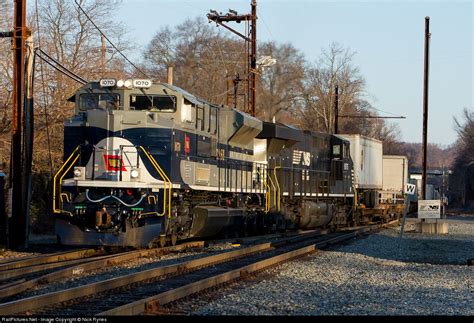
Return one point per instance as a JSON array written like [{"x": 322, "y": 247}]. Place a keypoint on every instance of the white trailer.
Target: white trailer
[
  {"x": 366, "y": 154},
  {"x": 379, "y": 191},
  {"x": 395, "y": 178}
]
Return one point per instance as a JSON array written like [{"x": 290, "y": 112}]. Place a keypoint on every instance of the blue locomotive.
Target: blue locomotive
[{"x": 150, "y": 164}]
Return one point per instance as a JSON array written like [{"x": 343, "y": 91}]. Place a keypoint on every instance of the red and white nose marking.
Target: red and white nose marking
[{"x": 114, "y": 163}]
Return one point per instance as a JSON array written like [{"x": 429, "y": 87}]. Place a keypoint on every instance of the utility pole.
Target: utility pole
[
  {"x": 18, "y": 225},
  {"x": 443, "y": 192},
  {"x": 28, "y": 134},
  {"x": 336, "y": 108},
  {"x": 425, "y": 106},
  {"x": 250, "y": 101}
]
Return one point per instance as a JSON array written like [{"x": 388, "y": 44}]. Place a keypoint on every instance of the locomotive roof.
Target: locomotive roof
[
  {"x": 188, "y": 96},
  {"x": 280, "y": 131},
  {"x": 94, "y": 85}
]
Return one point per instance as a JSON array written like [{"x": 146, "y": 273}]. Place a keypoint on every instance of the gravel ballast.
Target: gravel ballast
[{"x": 378, "y": 275}]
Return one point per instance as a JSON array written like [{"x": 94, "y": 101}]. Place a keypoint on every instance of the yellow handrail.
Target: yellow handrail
[
  {"x": 55, "y": 210},
  {"x": 151, "y": 197},
  {"x": 267, "y": 193},
  {"x": 166, "y": 181},
  {"x": 64, "y": 174},
  {"x": 64, "y": 195},
  {"x": 278, "y": 186},
  {"x": 274, "y": 191}
]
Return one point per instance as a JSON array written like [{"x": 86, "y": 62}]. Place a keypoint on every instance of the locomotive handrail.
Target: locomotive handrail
[
  {"x": 274, "y": 192},
  {"x": 267, "y": 193},
  {"x": 60, "y": 172},
  {"x": 278, "y": 186},
  {"x": 310, "y": 170},
  {"x": 166, "y": 180}
]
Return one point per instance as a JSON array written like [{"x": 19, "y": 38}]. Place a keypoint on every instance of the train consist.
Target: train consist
[{"x": 150, "y": 164}]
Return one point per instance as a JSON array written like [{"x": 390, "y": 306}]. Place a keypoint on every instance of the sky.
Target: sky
[{"x": 387, "y": 36}]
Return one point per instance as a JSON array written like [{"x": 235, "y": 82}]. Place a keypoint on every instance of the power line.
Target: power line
[
  {"x": 370, "y": 117},
  {"x": 269, "y": 31},
  {"x": 393, "y": 114},
  {"x": 59, "y": 67},
  {"x": 110, "y": 42}
]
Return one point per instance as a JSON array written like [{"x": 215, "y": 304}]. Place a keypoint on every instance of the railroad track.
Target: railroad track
[
  {"x": 148, "y": 290},
  {"x": 35, "y": 271},
  {"x": 15, "y": 281},
  {"x": 20, "y": 269},
  {"x": 15, "y": 263}
]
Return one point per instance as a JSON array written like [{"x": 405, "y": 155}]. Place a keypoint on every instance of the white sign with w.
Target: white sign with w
[{"x": 410, "y": 189}]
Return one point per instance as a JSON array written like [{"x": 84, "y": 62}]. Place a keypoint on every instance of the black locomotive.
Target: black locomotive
[{"x": 152, "y": 164}]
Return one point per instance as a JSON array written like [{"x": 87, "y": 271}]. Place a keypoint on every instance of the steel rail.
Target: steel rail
[
  {"x": 92, "y": 264},
  {"x": 36, "y": 302},
  {"x": 153, "y": 303},
  {"x": 147, "y": 277},
  {"x": 39, "y": 301},
  {"x": 47, "y": 259},
  {"x": 9, "y": 274}
]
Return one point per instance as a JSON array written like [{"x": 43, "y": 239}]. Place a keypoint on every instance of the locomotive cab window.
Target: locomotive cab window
[
  {"x": 200, "y": 118},
  {"x": 158, "y": 103},
  {"x": 103, "y": 101},
  {"x": 336, "y": 151},
  {"x": 213, "y": 120}
]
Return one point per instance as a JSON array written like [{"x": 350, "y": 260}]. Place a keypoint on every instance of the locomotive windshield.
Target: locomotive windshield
[
  {"x": 90, "y": 101},
  {"x": 159, "y": 103}
]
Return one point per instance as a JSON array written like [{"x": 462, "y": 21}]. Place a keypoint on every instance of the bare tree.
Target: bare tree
[
  {"x": 202, "y": 57},
  {"x": 280, "y": 86},
  {"x": 462, "y": 180},
  {"x": 68, "y": 36},
  {"x": 335, "y": 67},
  {"x": 465, "y": 130},
  {"x": 6, "y": 80}
]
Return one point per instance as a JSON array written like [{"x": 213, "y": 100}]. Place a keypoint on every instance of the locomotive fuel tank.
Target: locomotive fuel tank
[{"x": 209, "y": 220}]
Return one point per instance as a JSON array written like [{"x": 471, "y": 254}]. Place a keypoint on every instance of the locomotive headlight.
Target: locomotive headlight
[
  {"x": 79, "y": 173},
  {"x": 134, "y": 174},
  {"x": 128, "y": 83},
  {"x": 125, "y": 83}
]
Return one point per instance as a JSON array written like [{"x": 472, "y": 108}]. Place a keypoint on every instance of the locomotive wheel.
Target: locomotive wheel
[
  {"x": 174, "y": 239},
  {"x": 162, "y": 241}
]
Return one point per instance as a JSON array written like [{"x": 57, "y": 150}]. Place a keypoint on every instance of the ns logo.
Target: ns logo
[
  {"x": 429, "y": 207},
  {"x": 301, "y": 157}
]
